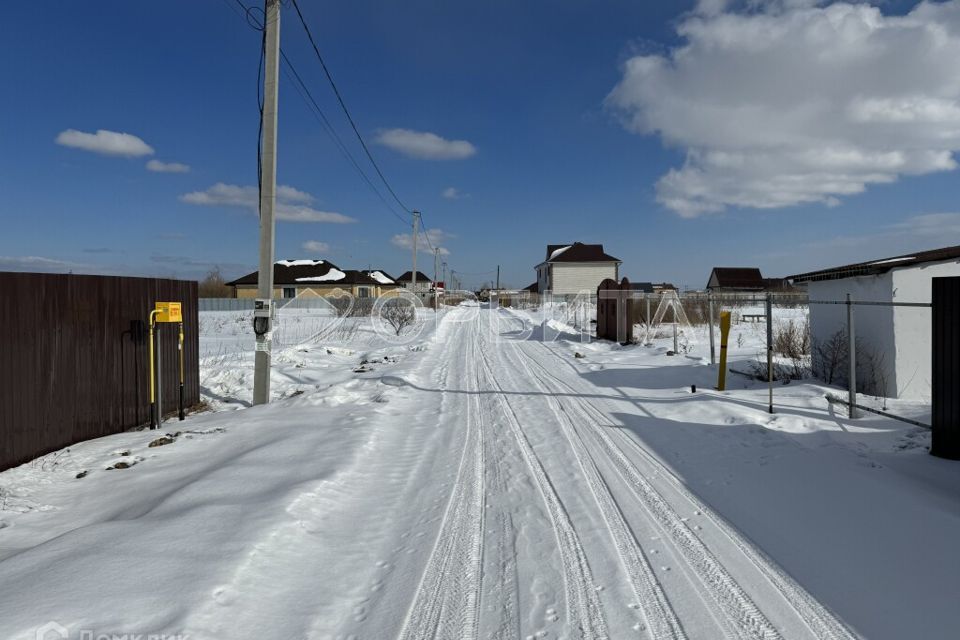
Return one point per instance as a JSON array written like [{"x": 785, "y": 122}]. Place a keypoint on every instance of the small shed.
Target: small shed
[{"x": 894, "y": 343}]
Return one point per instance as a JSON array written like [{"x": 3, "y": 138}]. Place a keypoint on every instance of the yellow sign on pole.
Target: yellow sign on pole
[
  {"x": 169, "y": 312},
  {"x": 724, "y": 333}
]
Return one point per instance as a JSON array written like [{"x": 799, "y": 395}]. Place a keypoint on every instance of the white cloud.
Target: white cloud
[
  {"x": 37, "y": 264},
  {"x": 944, "y": 227},
  {"x": 106, "y": 142},
  {"x": 437, "y": 238},
  {"x": 452, "y": 193},
  {"x": 167, "y": 167},
  {"x": 788, "y": 102},
  {"x": 314, "y": 246},
  {"x": 292, "y": 204},
  {"x": 425, "y": 145}
]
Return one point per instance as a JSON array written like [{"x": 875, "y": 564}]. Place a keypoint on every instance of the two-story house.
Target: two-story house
[{"x": 572, "y": 268}]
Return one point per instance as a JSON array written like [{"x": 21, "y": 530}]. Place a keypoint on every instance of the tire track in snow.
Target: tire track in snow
[
  {"x": 583, "y": 605},
  {"x": 821, "y": 622},
  {"x": 446, "y": 604},
  {"x": 661, "y": 621}
]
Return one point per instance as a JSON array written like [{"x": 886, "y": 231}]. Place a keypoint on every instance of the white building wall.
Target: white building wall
[
  {"x": 901, "y": 335},
  {"x": 574, "y": 277},
  {"x": 873, "y": 326},
  {"x": 913, "y": 326}
]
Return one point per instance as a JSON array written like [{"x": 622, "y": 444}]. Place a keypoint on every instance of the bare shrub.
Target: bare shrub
[
  {"x": 213, "y": 285},
  {"x": 792, "y": 339},
  {"x": 399, "y": 314},
  {"x": 791, "y": 343},
  {"x": 349, "y": 307},
  {"x": 831, "y": 363}
]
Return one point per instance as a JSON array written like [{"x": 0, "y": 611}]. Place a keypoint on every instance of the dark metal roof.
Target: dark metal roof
[
  {"x": 408, "y": 277},
  {"x": 578, "y": 252},
  {"x": 288, "y": 271},
  {"x": 645, "y": 287},
  {"x": 743, "y": 278},
  {"x": 361, "y": 277},
  {"x": 875, "y": 267},
  {"x": 532, "y": 288}
]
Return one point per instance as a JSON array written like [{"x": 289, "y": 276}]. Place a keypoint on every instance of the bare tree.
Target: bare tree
[
  {"x": 399, "y": 314},
  {"x": 213, "y": 285}
]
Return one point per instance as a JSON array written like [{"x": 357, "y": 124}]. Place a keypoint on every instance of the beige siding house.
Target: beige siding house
[
  {"x": 573, "y": 268},
  {"x": 317, "y": 278}
]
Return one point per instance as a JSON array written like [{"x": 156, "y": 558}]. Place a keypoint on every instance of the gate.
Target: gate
[
  {"x": 946, "y": 368},
  {"x": 614, "y": 311}
]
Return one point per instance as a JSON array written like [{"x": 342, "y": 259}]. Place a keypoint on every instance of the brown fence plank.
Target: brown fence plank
[{"x": 73, "y": 365}]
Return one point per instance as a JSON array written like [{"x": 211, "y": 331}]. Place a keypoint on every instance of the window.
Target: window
[
  {"x": 363, "y": 292},
  {"x": 289, "y": 292}
]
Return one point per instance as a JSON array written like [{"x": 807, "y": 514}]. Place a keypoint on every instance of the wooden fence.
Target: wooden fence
[{"x": 74, "y": 360}]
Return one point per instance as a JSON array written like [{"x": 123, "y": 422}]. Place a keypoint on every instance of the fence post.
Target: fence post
[
  {"x": 769, "y": 305},
  {"x": 713, "y": 358},
  {"x": 852, "y": 381},
  {"x": 646, "y": 297}
]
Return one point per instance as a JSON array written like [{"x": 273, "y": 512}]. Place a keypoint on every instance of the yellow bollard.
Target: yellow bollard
[{"x": 724, "y": 333}]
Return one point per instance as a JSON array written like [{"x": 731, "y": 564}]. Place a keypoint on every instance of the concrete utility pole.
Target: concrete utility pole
[
  {"x": 498, "y": 277},
  {"x": 436, "y": 265},
  {"x": 413, "y": 282},
  {"x": 268, "y": 188}
]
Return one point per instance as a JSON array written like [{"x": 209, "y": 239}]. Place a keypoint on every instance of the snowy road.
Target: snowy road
[
  {"x": 484, "y": 485},
  {"x": 586, "y": 534}
]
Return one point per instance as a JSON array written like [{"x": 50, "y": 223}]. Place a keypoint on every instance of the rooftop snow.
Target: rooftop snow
[
  {"x": 299, "y": 263},
  {"x": 889, "y": 260},
  {"x": 380, "y": 277},
  {"x": 333, "y": 274},
  {"x": 558, "y": 252}
]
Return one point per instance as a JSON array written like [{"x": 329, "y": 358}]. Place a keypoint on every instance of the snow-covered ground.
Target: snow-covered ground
[{"x": 474, "y": 481}]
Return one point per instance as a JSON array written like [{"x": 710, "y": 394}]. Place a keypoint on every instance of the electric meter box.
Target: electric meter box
[
  {"x": 262, "y": 308},
  {"x": 169, "y": 312}
]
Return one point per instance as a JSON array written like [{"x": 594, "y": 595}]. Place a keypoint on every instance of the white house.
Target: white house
[
  {"x": 897, "y": 339},
  {"x": 572, "y": 268}
]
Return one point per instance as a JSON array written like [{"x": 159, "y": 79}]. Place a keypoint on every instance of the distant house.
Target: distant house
[
  {"x": 895, "y": 341},
  {"x": 735, "y": 279},
  {"x": 745, "y": 279},
  {"x": 424, "y": 284},
  {"x": 313, "y": 278},
  {"x": 572, "y": 268},
  {"x": 642, "y": 287},
  {"x": 663, "y": 287}
]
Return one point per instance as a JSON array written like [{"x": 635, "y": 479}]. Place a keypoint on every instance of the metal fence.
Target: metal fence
[
  {"x": 74, "y": 358},
  {"x": 246, "y": 304},
  {"x": 830, "y": 347}
]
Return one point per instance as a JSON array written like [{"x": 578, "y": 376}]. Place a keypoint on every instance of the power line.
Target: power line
[
  {"x": 321, "y": 117},
  {"x": 343, "y": 106},
  {"x": 423, "y": 228},
  {"x": 312, "y": 105}
]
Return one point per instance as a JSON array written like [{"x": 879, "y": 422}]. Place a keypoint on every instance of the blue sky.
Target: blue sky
[{"x": 679, "y": 135}]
